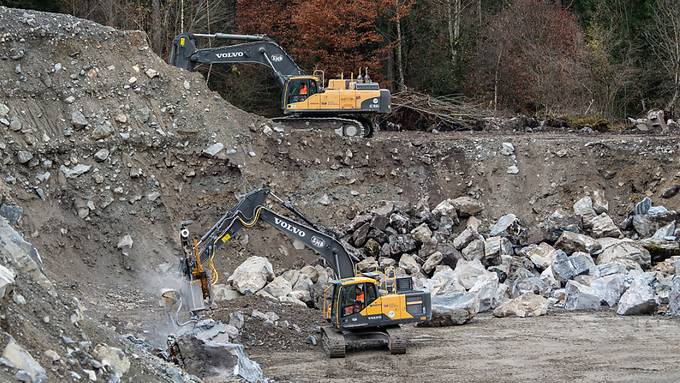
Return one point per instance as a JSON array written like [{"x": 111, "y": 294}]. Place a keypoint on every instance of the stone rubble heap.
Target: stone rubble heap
[
  {"x": 69, "y": 346},
  {"x": 255, "y": 275},
  {"x": 581, "y": 260}
]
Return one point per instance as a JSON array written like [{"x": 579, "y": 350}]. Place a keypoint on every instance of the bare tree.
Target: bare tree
[
  {"x": 400, "y": 64},
  {"x": 156, "y": 25},
  {"x": 454, "y": 17},
  {"x": 664, "y": 39}
]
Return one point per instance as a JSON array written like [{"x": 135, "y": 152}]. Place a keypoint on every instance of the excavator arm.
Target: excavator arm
[
  {"x": 199, "y": 254},
  {"x": 258, "y": 49}
]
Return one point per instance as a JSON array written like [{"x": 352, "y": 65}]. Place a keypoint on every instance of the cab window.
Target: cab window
[
  {"x": 300, "y": 90},
  {"x": 355, "y": 298}
]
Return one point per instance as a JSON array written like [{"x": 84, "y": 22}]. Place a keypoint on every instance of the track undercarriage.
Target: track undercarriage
[
  {"x": 349, "y": 126},
  {"x": 335, "y": 342}
]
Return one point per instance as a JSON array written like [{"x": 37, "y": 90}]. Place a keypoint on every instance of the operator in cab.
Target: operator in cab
[{"x": 361, "y": 298}]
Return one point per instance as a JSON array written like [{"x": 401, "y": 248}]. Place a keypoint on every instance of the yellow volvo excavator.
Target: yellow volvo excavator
[
  {"x": 350, "y": 106},
  {"x": 360, "y": 309}
]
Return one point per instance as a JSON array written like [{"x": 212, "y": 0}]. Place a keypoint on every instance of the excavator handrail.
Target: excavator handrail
[{"x": 229, "y": 36}]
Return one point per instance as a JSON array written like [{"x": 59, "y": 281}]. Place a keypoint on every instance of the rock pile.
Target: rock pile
[
  {"x": 255, "y": 276},
  {"x": 581, "y": 260},
  {"x": 46, "y": 335}
]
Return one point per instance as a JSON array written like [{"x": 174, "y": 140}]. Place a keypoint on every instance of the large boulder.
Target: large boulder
[
  {"x": 209, "y": 341},
  {"x": 642, "y": 207},
  {"x": 443, "y": 282},
  {"x": 647, "y": 219},
  {"x": 434, "y": 260},
  {"x": 409, "y": 263},
  {"x": 583, "y": 264},
  {"x": 562, "y": 268},
  {"x": 506, "y": 225},
  {"x": 494, "y": 248},
  {"x": 662, "y": 289},
  {"x": 674, "y": 299},
  {"x": 638, "y": 299},
  {"x": 113, "y": 358},
  {"x": 29, "y": 370},
  {"x": 583, "y": 209},
  {"x": 600, "y": 203},
  {"x": 453, "y": 309},
  {"x": 279, "y": 287},
  {"x": 666, "y": 233},
  {"x": 12, "y": 212},
  {"x": 532, "y": 284},
  {"x": 541, "y": 255},
  {"x": 653, "y": 218},
  {"x": 609, "y": 288},
  {"x": 445, "y": 208},
  {"x": 22, "y": 256},
  {"x": 369, "y": 264},
  {"x": 6, "y": 282},
  {"x": 422, "y": 233},
  {"x": 486, "y": 288},
  {"x": 467, "y": 272},
  {"x": 572, "y": 242},
  {"x": 400, "y": 222},
  {"x": 548, "y": 277},
  {"x": 581, "y": 297},
  {"x": 304, "y": 282},
  {"x": 474, "y": 250},
  {"x": 660, "y": 248},
  {"x": 603, "y": 226},
  {"x": 526, "y": 305},
  {"x": 252, "y": 275},
  {"x": 360, "y": 235},
  {"x": 310, "y": 271},
  {"x": 558, "y": 223},
  {"x": 625, "y": 252},
  {"x": 465, "y": 237},
  {"x": 398, "y": 244},
  {"x": 467, "y": 206}
]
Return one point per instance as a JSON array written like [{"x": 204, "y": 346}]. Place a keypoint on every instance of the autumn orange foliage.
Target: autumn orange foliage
[{"x": 337, "y": 36}]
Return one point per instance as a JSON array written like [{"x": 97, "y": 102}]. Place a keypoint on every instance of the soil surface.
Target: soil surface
[{"x": 560, "y": 347}]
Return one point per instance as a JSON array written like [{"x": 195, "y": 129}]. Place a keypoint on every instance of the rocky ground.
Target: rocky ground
[
  {"x": 561, "y": 347},
  {"x": 105, "y": 149}
]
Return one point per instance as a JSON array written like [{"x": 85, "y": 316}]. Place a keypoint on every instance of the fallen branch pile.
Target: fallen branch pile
[{"x": 417, "y": 111}]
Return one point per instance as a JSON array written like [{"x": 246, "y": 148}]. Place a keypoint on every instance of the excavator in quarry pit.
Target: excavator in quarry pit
[
  {"x": 350, "y": 107},
  {"x": 359, "y": 309}
]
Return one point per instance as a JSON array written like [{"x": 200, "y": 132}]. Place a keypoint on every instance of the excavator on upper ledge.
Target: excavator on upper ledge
[{"x": 349, "y": 106}]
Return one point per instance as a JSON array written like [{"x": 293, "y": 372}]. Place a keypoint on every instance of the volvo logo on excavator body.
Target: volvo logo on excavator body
[
  {"x": 289, "y": 227},
  {"x": 229, "y": 55},
  {"x": 318, "y": 242}
]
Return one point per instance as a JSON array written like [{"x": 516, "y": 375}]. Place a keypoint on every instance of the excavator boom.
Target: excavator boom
[
  {"x": 251, "y": 209},
  {"x": 258, "y": 49}
]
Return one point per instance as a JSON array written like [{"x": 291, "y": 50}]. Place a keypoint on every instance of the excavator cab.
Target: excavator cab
[
  {"x": 299, "y": 89},
  {"x": 356, "y": 302}
]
